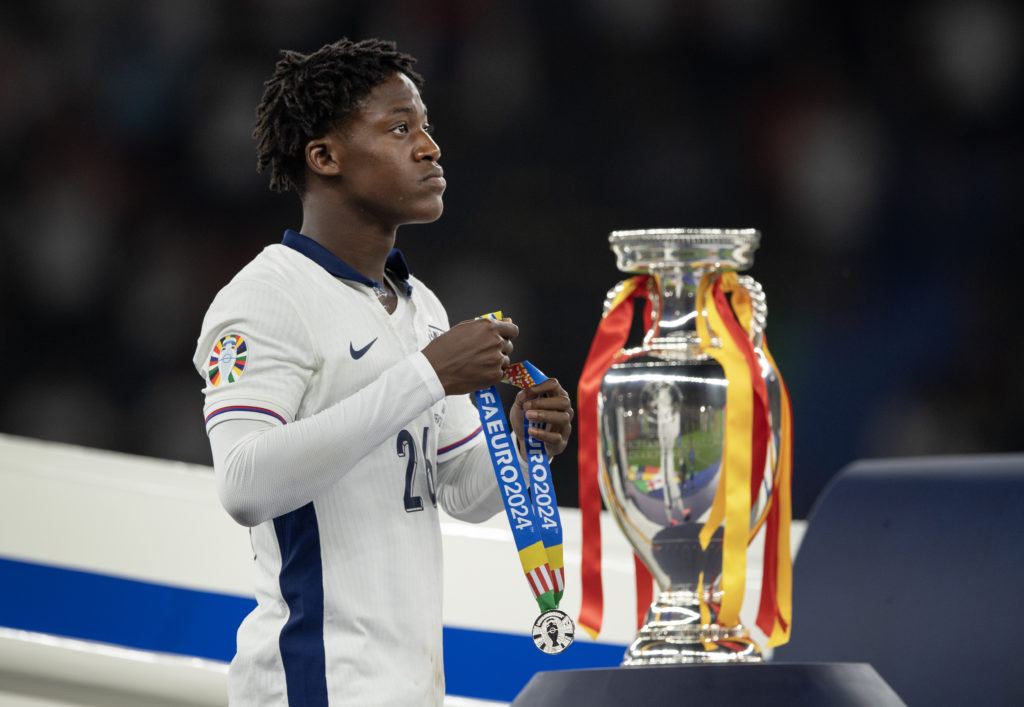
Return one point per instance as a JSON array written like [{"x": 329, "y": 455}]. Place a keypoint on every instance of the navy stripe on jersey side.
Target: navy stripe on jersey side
[{"x": 302, "y": 586}]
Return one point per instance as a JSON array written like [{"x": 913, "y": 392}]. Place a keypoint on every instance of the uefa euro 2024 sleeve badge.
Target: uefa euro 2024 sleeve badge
[
  {"x": 553, "y": 631},
  {"x": 227, "y": 360}
]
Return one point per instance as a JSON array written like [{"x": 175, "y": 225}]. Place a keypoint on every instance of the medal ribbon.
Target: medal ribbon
[
  {"x": 531, "y": 509},
  {"x": 611, "y": 336}
]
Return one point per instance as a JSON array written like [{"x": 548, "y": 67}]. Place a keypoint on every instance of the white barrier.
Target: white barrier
[{"x": 98, "y": 519}]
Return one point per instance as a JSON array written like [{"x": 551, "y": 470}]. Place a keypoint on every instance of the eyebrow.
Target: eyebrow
[{"x": 406, "y": 109}]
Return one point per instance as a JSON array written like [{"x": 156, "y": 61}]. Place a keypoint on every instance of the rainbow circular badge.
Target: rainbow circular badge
[{"x": 227, "y": 360}]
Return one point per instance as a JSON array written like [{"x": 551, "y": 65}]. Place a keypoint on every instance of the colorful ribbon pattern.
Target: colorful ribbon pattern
[
  {"x": 749, "y": 446},
  {"x": 531, "y": 507}
]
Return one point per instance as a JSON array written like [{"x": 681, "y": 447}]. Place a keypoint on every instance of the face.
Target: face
[{"x": 388, "y": 163}]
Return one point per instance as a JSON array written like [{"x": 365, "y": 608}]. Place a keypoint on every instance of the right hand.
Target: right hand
[{"x": 472, "y": 355}]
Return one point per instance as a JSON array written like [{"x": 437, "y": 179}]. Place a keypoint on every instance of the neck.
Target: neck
[{"x": 361, "y": 244}]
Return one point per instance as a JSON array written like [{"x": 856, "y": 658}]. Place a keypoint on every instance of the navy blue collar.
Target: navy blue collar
[{"x": 395, "y": 263}]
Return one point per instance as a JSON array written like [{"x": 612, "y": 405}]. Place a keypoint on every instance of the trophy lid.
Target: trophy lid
[{"x": 659, "y": 249}]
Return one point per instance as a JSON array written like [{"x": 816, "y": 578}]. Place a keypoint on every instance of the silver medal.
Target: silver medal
[{"x": 553, "y": 631}]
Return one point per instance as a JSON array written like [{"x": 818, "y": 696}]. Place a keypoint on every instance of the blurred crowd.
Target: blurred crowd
[{"x": 877, "y": 147}]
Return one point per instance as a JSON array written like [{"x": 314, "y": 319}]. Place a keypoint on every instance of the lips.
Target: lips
[{"x": 436, "y": 176}]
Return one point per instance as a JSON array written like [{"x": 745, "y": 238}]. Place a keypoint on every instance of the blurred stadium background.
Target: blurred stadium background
[{"x": 877, "y": 147}]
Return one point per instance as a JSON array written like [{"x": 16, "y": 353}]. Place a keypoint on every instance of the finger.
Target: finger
[
  {"x": 506, "y": 328},
  {"x": 546, "y": 387},
  {"x": 551, "y": 439},
  {"x": 545, "y": 435},
  {"x": 549, "y": 418},
  {"x": 549, "y": 386},
  {"x": 548, "y": 402},
  {"x": 560, "y": 403}
]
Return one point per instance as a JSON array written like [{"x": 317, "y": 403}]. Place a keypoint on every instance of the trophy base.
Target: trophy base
[{"x": 673, "y": 633}]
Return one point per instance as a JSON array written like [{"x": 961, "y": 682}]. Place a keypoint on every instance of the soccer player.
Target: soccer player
[{"x": 336, "y": 401}]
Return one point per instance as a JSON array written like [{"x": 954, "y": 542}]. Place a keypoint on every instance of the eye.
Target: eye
[
  {"x": 401, "y": 128},
  {"x": 428, "y": 128}
]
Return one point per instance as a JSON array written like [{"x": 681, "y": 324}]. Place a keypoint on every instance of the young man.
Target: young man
[{"x": 336, "y": 398}]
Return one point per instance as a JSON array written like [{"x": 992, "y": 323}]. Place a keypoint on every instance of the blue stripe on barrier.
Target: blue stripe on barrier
[
  {"x": 125, "y": 612},
  {"x": 496, "y": 666},
  {"x": 156, "y": 617}
]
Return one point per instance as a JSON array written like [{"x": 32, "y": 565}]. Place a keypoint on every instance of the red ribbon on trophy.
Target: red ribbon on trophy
[
  {"x": 611, "y": 336},
  {"x": 748, "y": 448}
]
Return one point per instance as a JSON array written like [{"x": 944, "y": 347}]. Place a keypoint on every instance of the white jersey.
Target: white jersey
[{"x": 348, "y": 585}]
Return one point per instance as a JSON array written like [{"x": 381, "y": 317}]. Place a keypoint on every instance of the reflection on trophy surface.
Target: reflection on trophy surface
[{"x": 662, "y": 428}]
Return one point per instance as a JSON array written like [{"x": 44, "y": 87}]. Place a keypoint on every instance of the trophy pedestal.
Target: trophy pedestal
[
  {"x": 675, "y": 632},
  {"x": 765, "y": 684}
]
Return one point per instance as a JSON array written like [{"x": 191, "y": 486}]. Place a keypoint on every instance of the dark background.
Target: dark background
[{"x": 877, "y": 148}]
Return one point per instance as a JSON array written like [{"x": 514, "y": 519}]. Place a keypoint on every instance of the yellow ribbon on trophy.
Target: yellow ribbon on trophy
[
  {"x": 745, "y": 455},
  {"x": 748, "y": 447}
]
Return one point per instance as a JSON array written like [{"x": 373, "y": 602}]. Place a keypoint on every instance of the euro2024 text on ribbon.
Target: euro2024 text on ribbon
[{"x": 530, "y": 506}]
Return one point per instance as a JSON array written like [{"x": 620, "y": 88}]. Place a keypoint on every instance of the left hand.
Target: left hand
[{"x": 547, "y": 403}]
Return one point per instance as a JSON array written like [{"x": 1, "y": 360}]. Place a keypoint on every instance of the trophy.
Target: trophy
[{"x": 662, "y": 421}]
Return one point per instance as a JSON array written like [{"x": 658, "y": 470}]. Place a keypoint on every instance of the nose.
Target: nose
[{"x": 427, "y": 149}]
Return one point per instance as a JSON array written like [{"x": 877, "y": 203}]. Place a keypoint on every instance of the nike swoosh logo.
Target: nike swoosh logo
[{"x": 358, "y": 353}]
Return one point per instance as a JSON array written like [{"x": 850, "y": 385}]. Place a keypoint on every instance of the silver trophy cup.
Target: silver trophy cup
[{"x": 661, "y": 412}]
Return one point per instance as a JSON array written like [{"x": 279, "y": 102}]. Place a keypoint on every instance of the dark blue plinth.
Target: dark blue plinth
[
  {"x": 914, "y": 566},
  {"x": 764, "y": 684}
]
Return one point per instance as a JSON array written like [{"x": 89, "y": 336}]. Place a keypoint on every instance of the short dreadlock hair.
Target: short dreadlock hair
[{"x": 309, "y": 95}]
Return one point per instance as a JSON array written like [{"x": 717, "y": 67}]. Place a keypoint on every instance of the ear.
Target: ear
[{"x": 323, "y": 156}]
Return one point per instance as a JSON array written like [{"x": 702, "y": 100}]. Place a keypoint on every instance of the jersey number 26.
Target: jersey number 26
[{"x": 407, "y": 449}]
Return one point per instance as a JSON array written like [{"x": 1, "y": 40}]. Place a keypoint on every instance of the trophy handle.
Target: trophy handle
[
  {"x": 759, "y": 304},
  {"x": 613, "y": 293},
  {"x": 759, "y": 320}
]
